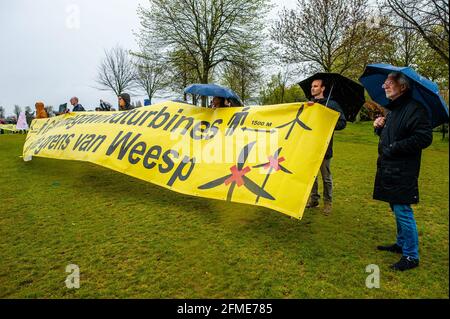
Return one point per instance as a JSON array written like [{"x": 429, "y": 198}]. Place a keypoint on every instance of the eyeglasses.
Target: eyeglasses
[{"x": 387, "y": 83}]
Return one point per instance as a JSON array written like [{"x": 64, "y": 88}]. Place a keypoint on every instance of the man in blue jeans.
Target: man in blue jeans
[{"x": 404, "y": 132}]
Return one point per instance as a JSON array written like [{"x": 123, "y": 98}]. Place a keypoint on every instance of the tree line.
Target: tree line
[{"x": 230, "y": 42}]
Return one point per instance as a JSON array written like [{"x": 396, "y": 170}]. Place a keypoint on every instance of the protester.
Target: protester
[
  {"x": 124, "y": 102},
  {"x": 76, "y": 106},
  {"x": 217, "y": 102},
  {"x": 404, "y": 132},
  {"x": 41, "y": 112},
  {"x": 29, "y": 116},
  {"x": 318, "y": 88},
  {"x": 104, "y": 106}
]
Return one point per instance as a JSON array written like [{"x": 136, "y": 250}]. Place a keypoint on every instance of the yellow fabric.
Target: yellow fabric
[
  {"x": 195, "y": 150},
  {"x": 9, "y": 127}
]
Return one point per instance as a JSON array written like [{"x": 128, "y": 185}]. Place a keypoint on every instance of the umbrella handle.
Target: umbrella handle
[{"x": 329, "y": 94}]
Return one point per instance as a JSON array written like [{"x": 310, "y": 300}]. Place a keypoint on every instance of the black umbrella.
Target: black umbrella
[{"x": 348, "y": 93}]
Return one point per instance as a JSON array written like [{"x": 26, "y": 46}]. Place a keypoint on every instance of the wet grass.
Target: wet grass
[{"x": 132, "y": 239}]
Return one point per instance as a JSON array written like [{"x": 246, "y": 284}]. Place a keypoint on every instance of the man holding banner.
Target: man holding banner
[
  {"x": 317, "y": 91},
  {"x": 77, "y": 107}
]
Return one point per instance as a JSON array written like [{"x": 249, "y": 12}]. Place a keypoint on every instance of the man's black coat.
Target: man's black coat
[{"x": 406, "y": 132}]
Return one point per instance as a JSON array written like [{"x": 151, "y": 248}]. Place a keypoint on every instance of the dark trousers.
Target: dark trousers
[{"x": 327, "y": 183}]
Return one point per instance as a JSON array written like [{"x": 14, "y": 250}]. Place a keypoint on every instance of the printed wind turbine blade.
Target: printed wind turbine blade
[
  {"x": 260, "y": 165},
  {"x": 264, "y": 183},
  {"x": 306, "y": 127},
  {"x": 214, "y": 183},
  {"x": 284, "y": 169},
  {"x": 255, "y": 189},
  {"x": 275, "y": 155},
  {"x": 284, "y": 125},
  {"x": 244, "y": 155},
  {"x": 230, "y": 191}
]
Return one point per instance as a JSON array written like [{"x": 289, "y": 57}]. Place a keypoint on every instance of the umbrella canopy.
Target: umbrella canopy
[
  {"x": 348, "y": 93},
  {"x": 423, "y": 90},
  {"x": 214, "y": 90},
  {"x": 62, "y": 108},
  {"x": 105, "y": 106}
]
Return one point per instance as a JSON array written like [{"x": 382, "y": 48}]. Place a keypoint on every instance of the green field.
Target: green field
[{"x": 132, "y": 239}]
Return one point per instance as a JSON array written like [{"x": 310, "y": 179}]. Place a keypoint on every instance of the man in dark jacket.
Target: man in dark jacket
[
  {"x": 124, "y": 102},
  {"x": 77, "y": 107},
  {"x": 318, "y": 88},
  {"x": 404, "y": 132}
]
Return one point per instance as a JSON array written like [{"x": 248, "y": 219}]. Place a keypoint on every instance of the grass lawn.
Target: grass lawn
[{"x": 132, "y": 239}]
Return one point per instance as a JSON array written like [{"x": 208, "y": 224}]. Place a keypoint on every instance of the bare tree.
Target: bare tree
[
  {"x": 278, "y": 91},
  {"x": 209, "y": 31},
  {"x": 17, "y": 110},
  {"x": 408, "y": 44},
  {"x": 243, "y": 74},
  {"x": 49, "y": 109},
  {"x": 403, "y": 45},
  {"x": 151, "y": 73},
  {"x": 406, "y": 47},
  {"x": 182, "y": 71},
  {"x": 2, "y": 112},
  {"x": 430, "y": 18},
  {"x": 281, "y": 82},
  {"x": 116, "y": 72},
  {"x": 29, "y": 114},
  {"x": 330, "y": 35}
]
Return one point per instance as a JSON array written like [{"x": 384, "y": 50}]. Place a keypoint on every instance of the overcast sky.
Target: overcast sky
[{"x": 50, "y": 49}]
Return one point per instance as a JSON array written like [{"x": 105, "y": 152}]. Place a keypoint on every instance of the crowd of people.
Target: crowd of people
[
  {"x": 124, "y": 101},
  {"x": 218, "y": 101},
  {"x": 404, "y": 131}
]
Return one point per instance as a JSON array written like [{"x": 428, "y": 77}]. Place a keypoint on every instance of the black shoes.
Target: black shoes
[
  {"x": 392, "y": 248},
  {"x": 312, "y": 203},
  {"x": 405, "y": 263}
]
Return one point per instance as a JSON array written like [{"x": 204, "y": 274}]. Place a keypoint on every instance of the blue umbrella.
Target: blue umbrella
[
  {"x": 423, "y": 90},
  {"x": 213, "y": 90}
]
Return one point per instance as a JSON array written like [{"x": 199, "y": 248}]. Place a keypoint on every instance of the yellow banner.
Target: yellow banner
[
  {"x": 9, "y": 127},
  {"x": 262, "y": 155}
]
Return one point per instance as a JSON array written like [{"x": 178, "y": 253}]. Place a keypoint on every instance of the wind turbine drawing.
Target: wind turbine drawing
[
  {"x": 237, "y": 177},
  {"x": 295, "y": 121},
  {"x": 273, "y": 164}
]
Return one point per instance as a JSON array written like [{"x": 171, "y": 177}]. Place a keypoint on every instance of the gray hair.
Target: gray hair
[{"x": 401, "y": 79}]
